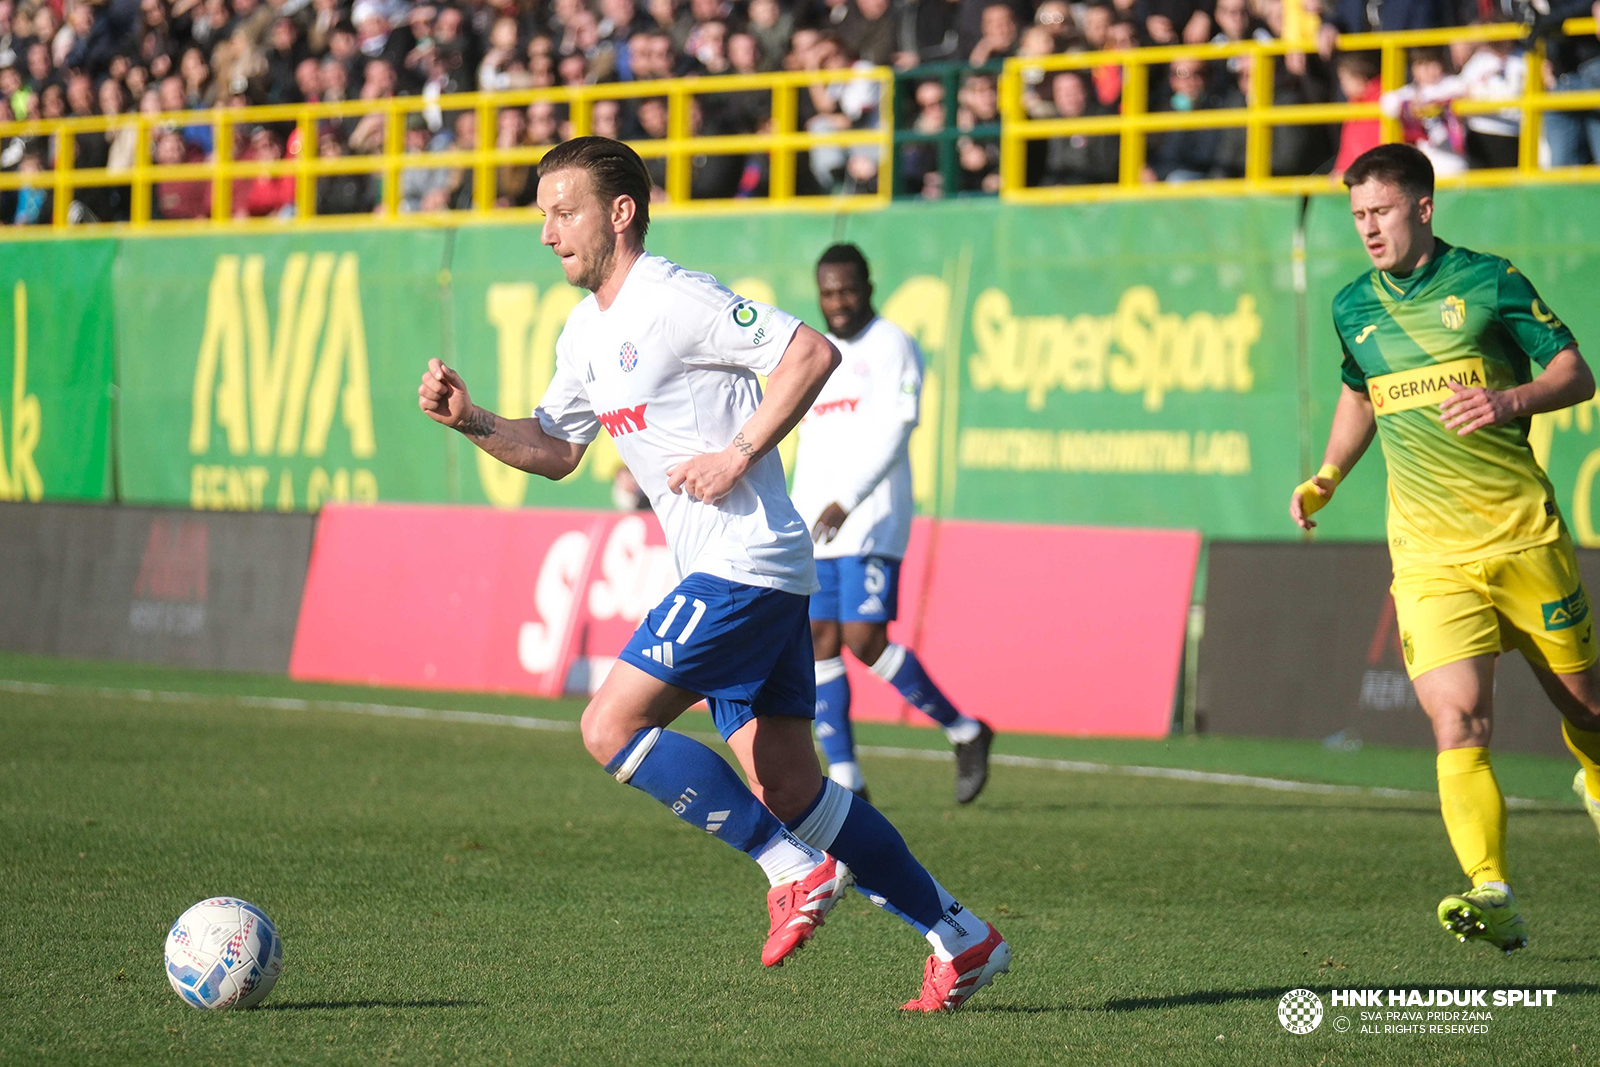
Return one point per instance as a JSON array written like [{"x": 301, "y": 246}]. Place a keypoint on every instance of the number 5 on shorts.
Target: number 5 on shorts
[{"x": 694, "y": 617}]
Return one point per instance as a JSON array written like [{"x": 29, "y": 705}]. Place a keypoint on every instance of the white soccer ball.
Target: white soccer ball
[{"x": 223, "y": 953}]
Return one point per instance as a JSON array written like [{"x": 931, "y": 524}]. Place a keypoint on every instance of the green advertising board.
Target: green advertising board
[
  {"x": 1164, "y": 363},
  {"x": 1117, "y": 364},
  {"x": 279, "y": 372},
  {"x": 55, "y": 371}
]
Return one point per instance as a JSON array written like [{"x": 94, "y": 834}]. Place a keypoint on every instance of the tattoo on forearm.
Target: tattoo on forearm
[
  {"x": 743, "y": 447},
  {"x": 478, "y": 423}
]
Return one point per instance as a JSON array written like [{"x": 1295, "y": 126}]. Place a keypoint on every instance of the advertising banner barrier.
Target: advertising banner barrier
[
  {"x": 1301, "y": 641},
  {"x": 1115, "y": 364},
  {"x": 540, "y": 601},
  {"x": 279, "y": 372},
  {"x": 1164, "y": 364},
  {"x": 55, "y": 371},
  {"x": 157, "y": 585}
]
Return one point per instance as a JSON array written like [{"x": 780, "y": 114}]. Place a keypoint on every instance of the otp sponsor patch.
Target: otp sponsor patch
[{"x": 1417, "y": 388}]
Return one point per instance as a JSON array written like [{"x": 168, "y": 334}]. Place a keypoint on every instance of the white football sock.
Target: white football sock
[
  {"x": 957, "y": 929},
  {"x": 847, "y": 774},
  {"x": 786, "y": 858},
  {"x": 1498, "y": 885},
  {"x": 963, "y": 730}
]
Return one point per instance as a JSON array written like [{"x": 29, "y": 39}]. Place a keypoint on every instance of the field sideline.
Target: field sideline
[{"x": 465, "y": 892}]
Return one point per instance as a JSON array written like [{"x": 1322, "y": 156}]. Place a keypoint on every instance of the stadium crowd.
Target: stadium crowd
[{"x": 108, "y": 57}]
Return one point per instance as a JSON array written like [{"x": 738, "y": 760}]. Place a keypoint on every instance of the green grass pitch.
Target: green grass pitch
[{"x": 468, "y": 892}]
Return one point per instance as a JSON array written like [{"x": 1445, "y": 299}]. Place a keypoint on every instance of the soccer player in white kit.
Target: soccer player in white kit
[
  {"x": 666, "y": 361},
  {"x": 852, "y": 486}
]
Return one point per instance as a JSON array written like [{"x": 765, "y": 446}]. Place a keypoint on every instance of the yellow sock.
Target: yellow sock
[
  {"x": 1474, "y": 812},
  {"x": 1586, "y": 746}
]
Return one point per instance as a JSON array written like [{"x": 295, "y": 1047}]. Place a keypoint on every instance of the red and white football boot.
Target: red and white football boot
[
  {"x": 946, "y": 986},
  {"x": 798, "y": 908}
]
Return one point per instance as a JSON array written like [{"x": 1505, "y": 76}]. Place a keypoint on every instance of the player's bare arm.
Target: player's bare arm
[
  {"x": 791, "y": 388},
  {"x": 1565, "y": 381},
  {"x": 519, "y": 443},
  {"x": 1354, "y": 425}
]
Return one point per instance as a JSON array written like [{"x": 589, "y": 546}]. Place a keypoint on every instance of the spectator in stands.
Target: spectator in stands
[
  {"x": 263, "y": 195},
  {"x": 1080, "y": 159},
  {"x": 284, "y": 55},
  {"x": 651, "y": 125},
  {"x": 930, "y": 32},
  {"x": 919, "y": 160},
  {"x": 868, "y": 28},
  {"x": 122, "y": 142},
  {"x": 1055, "y": 17},
  {"x": 1178, "y": 21},
  {"x": 999, "y": 37},
  {"x": 544, "y": 125},
  {"x": 1423, "y": 108},
  {"x": 419, "y": 185},
  {"x": 189, "y": 199},
  {"x": 839, "y": 106},
  {"x": 178, "y": 199},
  {"x": 342, "y": 194},
  {"x": 1573, "y": 136},
  {"x": 514, "y": 183},
  {"x": 605, "y": 120},
  {"x": 1187, "y": 155},
  {"x": 1490, "y": 70},
  {"x": 196, "y": 74},
  {"x": 1358, "y": 81},
  {"x": 978, "y": 153},
  {"x": 456, "y": 192},
  {"x": 744, "y": 54},
  {"x": 771, "y": 26},
  {"x": 1354, "y": 16}
]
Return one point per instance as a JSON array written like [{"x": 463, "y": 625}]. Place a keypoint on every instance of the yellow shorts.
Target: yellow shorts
[{"x": 1533, "y": 601}]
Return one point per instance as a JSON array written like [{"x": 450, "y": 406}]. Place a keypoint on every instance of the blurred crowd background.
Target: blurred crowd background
[{"x": 107, "y": 57}]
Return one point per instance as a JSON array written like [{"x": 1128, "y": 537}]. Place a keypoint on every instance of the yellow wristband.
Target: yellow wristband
[{"x": 1332, "y": 473}]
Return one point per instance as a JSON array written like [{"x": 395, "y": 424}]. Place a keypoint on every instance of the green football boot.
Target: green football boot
[{"x": 1485, "y": 914}]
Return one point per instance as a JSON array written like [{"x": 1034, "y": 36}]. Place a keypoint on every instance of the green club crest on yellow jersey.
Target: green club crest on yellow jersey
[{"x": 1453, "y": 312}]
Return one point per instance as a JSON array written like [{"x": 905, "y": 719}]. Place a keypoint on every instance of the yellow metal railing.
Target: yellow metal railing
[
  {"x": 781, "y": 143},
  {"x": 1259, "y": 115}
]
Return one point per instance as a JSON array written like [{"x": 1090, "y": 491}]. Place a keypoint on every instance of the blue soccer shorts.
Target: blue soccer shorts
[
  {"x": 744, "y": 648},
  {"x": 857, "y": 589}
]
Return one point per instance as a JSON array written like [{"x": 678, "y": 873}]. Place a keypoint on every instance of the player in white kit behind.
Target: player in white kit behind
[
  {"x": 666, "y": 360},
  {"x": 852, "y": 485}
]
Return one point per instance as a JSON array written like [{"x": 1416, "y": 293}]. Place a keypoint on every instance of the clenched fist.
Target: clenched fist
[{"x": 443, "y": 395}]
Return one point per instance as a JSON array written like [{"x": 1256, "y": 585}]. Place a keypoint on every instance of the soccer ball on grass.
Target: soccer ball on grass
[{"x": 223, "y": 953}]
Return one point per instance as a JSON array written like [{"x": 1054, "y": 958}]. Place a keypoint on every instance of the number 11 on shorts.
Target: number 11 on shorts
[{"x": 694, "y": 617}]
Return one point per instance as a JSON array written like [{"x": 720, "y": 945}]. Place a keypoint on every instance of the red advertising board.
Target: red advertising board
[{"x": 1040, "y": 629}]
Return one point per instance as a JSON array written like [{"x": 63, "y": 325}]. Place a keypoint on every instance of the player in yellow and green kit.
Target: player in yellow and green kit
[{"x": 1439, "y": 351}]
